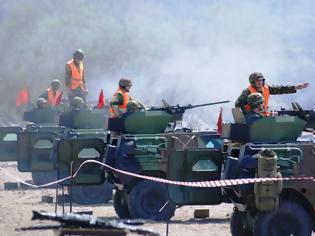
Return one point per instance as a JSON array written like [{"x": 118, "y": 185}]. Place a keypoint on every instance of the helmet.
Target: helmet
[
  {"x": 255, "y": 76},
  {"x": 133, "y": 106},
  {"x": 41, "y": 102},
  {"x": 255, "y": 99},
  {"x": 78, "y": 54},
  {"x": 124, "y": 82},
  {"x": 55, "y": 84},
  {"x": 77, "y": 103}
]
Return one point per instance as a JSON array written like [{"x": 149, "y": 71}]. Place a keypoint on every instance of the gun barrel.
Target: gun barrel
[{"x": 207, "y": 104}]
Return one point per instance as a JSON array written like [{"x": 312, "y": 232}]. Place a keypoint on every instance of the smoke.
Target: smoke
[{"x": 182, "y": 51}]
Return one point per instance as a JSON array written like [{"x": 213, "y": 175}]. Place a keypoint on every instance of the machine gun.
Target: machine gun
[
  {"x": 77, "y": 223},
  {"x": 150, "y": 121},
  {"x": 177, "y": 109},
  {"x": 297, "y": 110}
]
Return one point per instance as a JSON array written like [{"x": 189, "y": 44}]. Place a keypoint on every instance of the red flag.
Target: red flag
[
  {"x": 58, "y": 99},
  {"x": 220, "y": 121},
  {"x": 22, "y": 97},
  {"x": 101, "y": 100}
]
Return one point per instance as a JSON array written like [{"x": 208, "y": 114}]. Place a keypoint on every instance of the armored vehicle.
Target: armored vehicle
[
  {"x": 143, "y": 147},
  {"x": 271, "y": 147},
  {"x": 34, "y": 147}
]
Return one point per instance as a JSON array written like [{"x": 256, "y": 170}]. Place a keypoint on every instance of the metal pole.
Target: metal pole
[
  {"x": 70, "y": 194},
  {"x": 56, "y": 198}
]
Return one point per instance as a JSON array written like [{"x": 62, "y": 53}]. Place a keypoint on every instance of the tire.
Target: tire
[
  {"x": 146, "y": 200},
  {"x": 120, "y": 205},
  {"x": 44, "y": 177},
  {"x": 92, "y": 194},
  {"x": 289, "y": 219},
  {"x": 238, "y": 225}
]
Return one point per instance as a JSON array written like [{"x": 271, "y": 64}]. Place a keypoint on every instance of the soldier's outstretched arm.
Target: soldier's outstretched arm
[{"x": 274, "y": 89}]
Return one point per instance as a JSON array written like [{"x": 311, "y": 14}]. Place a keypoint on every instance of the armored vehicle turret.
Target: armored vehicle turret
[{"x": 152, "y": 121}]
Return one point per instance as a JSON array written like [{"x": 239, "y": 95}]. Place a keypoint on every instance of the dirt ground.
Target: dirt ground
[{"x": 16, "y": 210}]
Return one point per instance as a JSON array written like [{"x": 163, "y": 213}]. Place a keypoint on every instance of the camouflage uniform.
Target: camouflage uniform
[
  {"x": 242, "y": 99},
  {"x": 120, "y": 99},
  {"x": 117, "y": 99}
]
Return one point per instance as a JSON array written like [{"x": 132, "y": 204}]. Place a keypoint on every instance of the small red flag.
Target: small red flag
[
  {"x": 58, "y": 99},
  {"x": 220, "y": 121},
  {"x": 101, "y": 100},
  {"x": 22, "y": 97}
]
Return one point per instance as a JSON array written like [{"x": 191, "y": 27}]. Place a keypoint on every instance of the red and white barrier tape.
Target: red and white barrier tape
[
  {"x": 203, "y": 184},
  {"x": 33, "y": 185},
  {"x": 200, "y": 184}
]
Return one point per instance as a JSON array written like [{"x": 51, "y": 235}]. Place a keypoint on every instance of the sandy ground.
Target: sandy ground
[{"x": 16, "y": 210}]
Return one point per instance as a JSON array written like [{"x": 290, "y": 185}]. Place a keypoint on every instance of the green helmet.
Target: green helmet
[
  {"x": 41, "y": 102},
  {"x": 77, "y": 103},
  {"x": 254, "y": 77},
  {"x": 78, "y": 54},
  {"x": 255, "y": 99},
  {"x": 133, "y": 105},
  {"x": 124, "y": 82},
  {"x": 55, "y": 84}
]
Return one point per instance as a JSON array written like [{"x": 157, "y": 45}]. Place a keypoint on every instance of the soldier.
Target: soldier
[
  {"x": 53, "y": 93},
  {"x": 254, "y": 107},
  {"x": 77, "y": 103},
  {"x": 257, "y": 84},
  {"x": 67, "y": 118},
  {"x": 74, "y": 77},
  {"x": 120, "y": 99},
  {"x": 135, "y": 105},
  {"x": 41, "y": 103}
]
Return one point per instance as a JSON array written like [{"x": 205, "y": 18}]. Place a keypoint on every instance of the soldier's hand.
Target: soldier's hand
[{"x": 302, "y": 86}]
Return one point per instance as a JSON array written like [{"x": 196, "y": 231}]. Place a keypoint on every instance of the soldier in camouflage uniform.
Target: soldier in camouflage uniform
[
  {"x": 120, "y": 99},
  {"x": 53, "y": 93},
  {"x": 257, "y": 85},
  {"x": 75, "y": 77},
  {"x": 255, "y": 110}
]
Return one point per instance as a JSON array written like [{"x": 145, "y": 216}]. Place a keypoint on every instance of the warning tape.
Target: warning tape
[
  {"x": 203, "y": 184},
  {"x": 33, "y": 185},
  {"x": 199, "y": 184}
]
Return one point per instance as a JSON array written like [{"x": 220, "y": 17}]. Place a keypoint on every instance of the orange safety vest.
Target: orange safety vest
[
  {"x": 52, "y": 97},
  {"x": 123, "y": 106},
  {"x": 76, "y": 75},
  {"x": 265, "y": 92}
]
